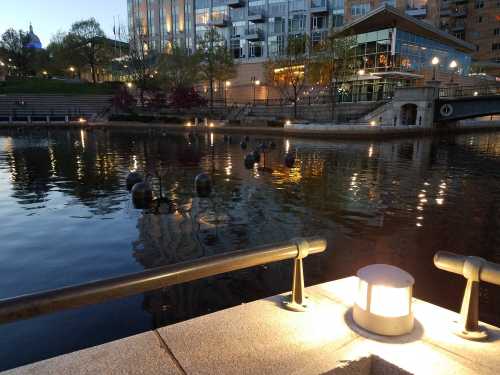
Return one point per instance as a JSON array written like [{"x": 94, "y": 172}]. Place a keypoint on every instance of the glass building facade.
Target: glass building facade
[
  {"x": 253, "y": 29},
  {"x": 394, "y": 49}
]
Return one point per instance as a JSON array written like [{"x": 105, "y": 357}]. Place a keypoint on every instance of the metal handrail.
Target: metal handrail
[{"x": 31, "y": 305}]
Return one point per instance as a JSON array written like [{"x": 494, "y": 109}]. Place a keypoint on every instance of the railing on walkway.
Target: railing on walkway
[
  {"x": 468, "y": 91},
  {"x": 474, "y": 269},
  {"x": 32, "y": 305}
]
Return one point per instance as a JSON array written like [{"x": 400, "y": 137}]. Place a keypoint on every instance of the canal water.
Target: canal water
[{"x": 67, "y": 218}]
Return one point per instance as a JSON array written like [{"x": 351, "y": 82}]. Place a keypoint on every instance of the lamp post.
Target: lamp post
[
  {"x": 72, "y": 70},
  {"x": 434, "y": 62},
  {"x": 255, "y": 83},
  {"x": 453, "y": 66},
  {"x": 227, "y": 84},
  {"x": 361, "y": 72}
]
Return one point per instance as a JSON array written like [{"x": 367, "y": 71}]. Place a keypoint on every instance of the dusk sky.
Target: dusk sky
[{"x": 50, "y": 16}]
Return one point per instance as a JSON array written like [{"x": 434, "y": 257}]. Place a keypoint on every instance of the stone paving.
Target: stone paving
[{"x": 261, "y": 337}]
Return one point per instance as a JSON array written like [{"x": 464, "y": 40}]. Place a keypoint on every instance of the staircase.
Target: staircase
[{"x": 26, "y": 108}]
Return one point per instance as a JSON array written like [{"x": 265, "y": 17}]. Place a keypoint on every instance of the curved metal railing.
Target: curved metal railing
[{"x": 32, "y": 305}]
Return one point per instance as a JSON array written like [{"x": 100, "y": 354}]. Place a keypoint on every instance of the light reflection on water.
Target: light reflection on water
[{"x": 69, "y": 219}]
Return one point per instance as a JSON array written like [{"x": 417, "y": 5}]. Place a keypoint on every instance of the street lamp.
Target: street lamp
[
  {"x": 361, "y": 72},
  {"x": 226, "y": 86},
  {"x": 72, "y": 70},
  {"x": 434, "y": 62},
  {"x": 453, "y": 66},
  {"x": 256, "y": 83}
]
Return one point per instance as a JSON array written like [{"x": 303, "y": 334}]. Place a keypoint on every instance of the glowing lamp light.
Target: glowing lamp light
[
  {"x": 257, "y": 83},
  {"x": 129, "y": 85},
  {"x": 476, "y": 93},
  {"x": 211, "y": 125},
  {"x": 435, "y": 60},
  {"x": 453, "y": 64},
  {"x": 188, "y": 124},
  {"x": 81, "y": 120},
  {"x": 288, "y": 123},
  {"x": 361, "y": 72},
  {"x": 373, "y": 123},
  {"x": 383, "y": 304}
]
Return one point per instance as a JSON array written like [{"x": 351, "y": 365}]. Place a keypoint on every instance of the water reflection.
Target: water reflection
[{"x": 398, "y": 202}]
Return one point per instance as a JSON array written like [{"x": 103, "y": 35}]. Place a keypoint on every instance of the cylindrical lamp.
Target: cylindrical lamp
[{"x": 383, "y": 304}]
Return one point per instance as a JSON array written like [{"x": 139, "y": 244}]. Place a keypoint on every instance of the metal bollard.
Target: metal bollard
[{"x": 474, "y": 269}]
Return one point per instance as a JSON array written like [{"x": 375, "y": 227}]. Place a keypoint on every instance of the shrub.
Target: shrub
[{"x": 186, "y": 98}]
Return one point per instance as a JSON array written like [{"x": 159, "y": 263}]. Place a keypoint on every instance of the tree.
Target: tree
[
  {"x": 288, "y": 71},
  {"x": 332, "y": 62},
  {"x": 142, "y": 64},
  {"x": 216, "y": 61},
  {"x": 13, "y": 44},
  {"x": 178, "y": 69},
  {"x": 86, "y": 38},
  {"x": 62, "y": 56}
]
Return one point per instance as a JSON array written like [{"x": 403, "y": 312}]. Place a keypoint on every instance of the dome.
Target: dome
[{"x": 33, "y": 40}]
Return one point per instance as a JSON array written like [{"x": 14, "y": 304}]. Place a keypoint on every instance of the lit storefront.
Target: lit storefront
[{"x": 397, "y": 56}]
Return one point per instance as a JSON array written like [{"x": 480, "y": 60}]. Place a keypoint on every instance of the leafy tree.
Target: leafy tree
[
  {"x": 62, "y": 56},
  {"x": 142, "y": 65},
  {"x": 86, "y": 39},
  {"x": 13, "y": 44},
  {"x": 288, "y": 71},
  {"x": 179, "y": 69},
  {"x": 216, "y": 61},
  {"x": 333, "y": 61}
]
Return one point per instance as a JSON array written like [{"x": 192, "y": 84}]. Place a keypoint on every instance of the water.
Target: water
[{"x": 67, "y": 218}]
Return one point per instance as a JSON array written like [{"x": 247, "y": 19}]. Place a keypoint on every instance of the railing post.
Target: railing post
[
  {"x": 474, "y": 269},
  {"x": 469, "y": 313},
  {"x": 296, "y": 301}
]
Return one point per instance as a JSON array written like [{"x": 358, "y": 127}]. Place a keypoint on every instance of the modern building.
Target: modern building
[{"x": 395, "y": 44}]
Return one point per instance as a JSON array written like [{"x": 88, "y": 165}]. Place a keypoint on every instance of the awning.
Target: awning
[{"x": 400, "y": 75}]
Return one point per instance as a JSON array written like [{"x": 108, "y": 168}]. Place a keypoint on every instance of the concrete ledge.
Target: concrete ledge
[
  {"x": 322, "y": 131},
  {"x": 261, "y": 337}
]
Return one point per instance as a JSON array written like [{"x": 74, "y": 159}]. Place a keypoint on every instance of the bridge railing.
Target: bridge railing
[{"x": 468, "y": 91}]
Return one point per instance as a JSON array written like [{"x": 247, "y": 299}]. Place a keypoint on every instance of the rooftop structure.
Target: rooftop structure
[{"x": 34, "y": 40}]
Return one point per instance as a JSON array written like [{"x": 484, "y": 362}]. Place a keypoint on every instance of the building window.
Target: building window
[
  {"x": 297, "y": 23},
  {"x": 319, "y": 22},
  {"x": 496, "y": 31},
  {"x": 254, "y": 49},
  {"x": 479, "y": 4},
  {"x": 360, "y": 9},
  {"x": 238, "y": 48},
  {"x": 276, "y": 45},
  {"x": 495, "y": 46},
  {"x": 277, "y": 8}
]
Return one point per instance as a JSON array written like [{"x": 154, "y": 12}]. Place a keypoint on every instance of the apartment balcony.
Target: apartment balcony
[
  {"x": 220, "y": 21},
  {"x": 235, "y": 3},
  {"x": 256, "y": 16},
  {"x": 417, "y": 12},
  {"x": 319, "y": 6},
  {"x": 254, "y": 35},
  {"x": 458, "y": 27}
]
